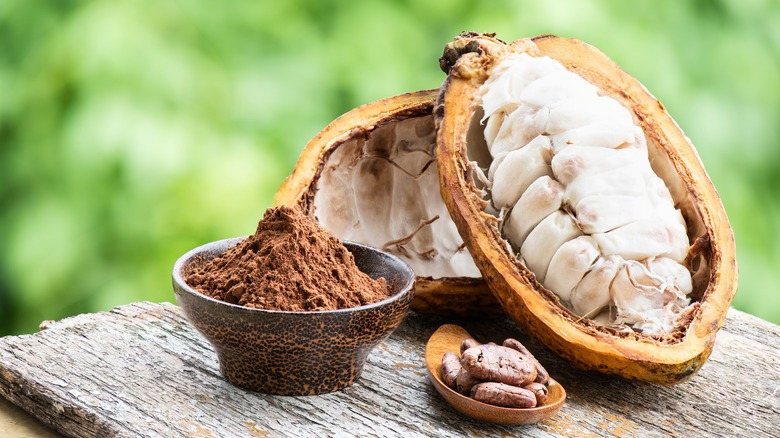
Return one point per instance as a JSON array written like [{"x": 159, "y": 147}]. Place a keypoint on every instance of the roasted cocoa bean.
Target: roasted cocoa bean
[
  {"x": 498, "y": 364},
  {"x": 467, "y": 343},
  {"x": 539, "y": 390},
  {"x": 450, "y": 368},
  {"x": 500, "y": 394},
  {"x": 541, "y": 374},
  {"x": 465, "y": 382}
]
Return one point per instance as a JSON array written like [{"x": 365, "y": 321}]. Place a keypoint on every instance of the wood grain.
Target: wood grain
[{"x": 142, "y": 370}]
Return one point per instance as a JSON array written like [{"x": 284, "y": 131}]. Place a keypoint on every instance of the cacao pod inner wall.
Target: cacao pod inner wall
[
  {"x": 486, "y": 202},
  {"x": 371, "y": 177},
  {"x": 383, "y": 190}
]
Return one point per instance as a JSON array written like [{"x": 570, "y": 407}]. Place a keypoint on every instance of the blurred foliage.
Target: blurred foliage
[{"x": 134, "y": 130}]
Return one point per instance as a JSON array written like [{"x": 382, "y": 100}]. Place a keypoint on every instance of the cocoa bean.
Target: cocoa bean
[
  {"x": 498, "y": 364},
  {"x": 467, "y": 343},
  {"x": 541, "y": 374},
  {"x": 465, "y": 382},
  {"x": 500, "y": 394},
  {"x": 539, "y": 390},
  {"x": 450, "y": 368}
]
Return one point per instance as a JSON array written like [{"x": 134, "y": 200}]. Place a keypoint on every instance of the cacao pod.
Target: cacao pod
[
  {"x": 371, "y": 177},
  {"x": 696, "y": 249}
]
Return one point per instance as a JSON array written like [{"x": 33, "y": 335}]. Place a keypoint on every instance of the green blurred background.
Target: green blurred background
[{"x": 132, "y": 131}]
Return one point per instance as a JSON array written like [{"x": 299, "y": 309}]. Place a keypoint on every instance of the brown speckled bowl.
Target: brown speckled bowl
[{"x": 295, "y": 353}]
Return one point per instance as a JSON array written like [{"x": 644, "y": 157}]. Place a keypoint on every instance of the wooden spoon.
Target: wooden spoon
[{"x": 448, "y": 338}]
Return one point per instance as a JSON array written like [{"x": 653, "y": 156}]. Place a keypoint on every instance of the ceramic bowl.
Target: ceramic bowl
[{"x": 295, "y": 353}]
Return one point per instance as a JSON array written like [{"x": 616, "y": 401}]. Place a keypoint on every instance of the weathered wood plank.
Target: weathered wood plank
[{"x": 141, "y": 370}]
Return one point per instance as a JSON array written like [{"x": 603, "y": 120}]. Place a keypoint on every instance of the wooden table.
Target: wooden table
[{"x": 142, "y": 370}]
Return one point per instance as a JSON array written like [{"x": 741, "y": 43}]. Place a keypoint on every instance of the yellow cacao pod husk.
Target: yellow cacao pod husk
[
  {"x": 370, "y": 176},
  {"x": 665, "y": 358}
]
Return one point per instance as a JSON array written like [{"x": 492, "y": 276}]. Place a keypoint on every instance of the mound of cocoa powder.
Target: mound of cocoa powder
[{"x": 291, "y": 264}]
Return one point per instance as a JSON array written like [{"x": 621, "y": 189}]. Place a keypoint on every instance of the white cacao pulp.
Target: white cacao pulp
[{"x": 586, "y": 212}]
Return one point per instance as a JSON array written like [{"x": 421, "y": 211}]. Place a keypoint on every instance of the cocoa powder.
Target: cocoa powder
[{"x": 291, "y": 264}]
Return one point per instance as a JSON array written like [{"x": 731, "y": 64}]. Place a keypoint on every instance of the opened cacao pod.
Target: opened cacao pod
[
  {"x": 587, "y": 210},
  {"x": 371, "y": 177}
]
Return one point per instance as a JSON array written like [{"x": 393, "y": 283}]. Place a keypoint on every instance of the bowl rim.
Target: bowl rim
[{"x": 407, "y": 288}]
